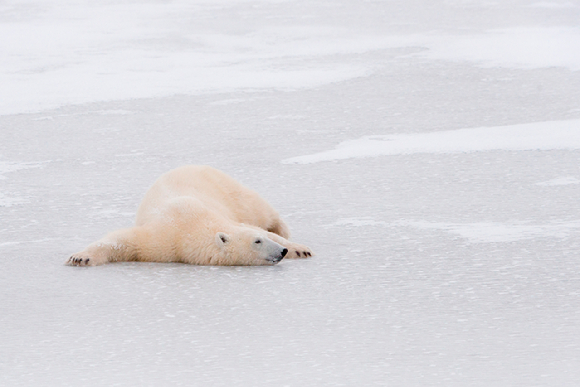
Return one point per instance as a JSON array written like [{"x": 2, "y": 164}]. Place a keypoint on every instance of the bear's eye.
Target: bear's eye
[{"x": 258, "y": 241}]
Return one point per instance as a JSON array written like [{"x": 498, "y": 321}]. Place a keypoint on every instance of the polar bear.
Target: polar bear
[{"x": 198, "y": 215}]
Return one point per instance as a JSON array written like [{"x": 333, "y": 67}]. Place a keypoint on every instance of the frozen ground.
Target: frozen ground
[{"x": 428, "y": 151}]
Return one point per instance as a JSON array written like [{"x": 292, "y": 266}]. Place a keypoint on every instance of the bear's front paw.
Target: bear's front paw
[
  {"x": 299, "y": 251},
  {"x": 85, "y": 258},
  {"x": 79, "y": 260},
  {"x": 93, "y": 255}
]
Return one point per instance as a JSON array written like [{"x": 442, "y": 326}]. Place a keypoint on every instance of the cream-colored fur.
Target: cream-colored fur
[{"x": 198, "y": 215}]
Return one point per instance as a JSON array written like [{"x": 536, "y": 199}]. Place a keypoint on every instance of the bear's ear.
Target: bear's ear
[{"x": 222, "y": 239}]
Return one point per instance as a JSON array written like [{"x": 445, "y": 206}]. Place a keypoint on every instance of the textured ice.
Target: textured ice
[{"x": 448, "y": 258}]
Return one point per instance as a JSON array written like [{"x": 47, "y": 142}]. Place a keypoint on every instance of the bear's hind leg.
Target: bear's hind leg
[{"x": 280, "y": 228}]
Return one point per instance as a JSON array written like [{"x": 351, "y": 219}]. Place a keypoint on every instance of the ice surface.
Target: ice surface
[{"x": 448, "y": 258}]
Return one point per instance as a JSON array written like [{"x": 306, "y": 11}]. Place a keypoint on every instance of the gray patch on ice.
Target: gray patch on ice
[
  {"x": 114, "y": 112},
  {"x": 2, "y": 244},
  {"x": 524, "y": 137},
  {"x": 356, "y": 222},
  {"x": 229, "y": 101},
  {"x": 110, "y": 112},
  {"x": 8, "y": 167},
  {"x": 111, "y": 214},
  {"x": 133, "y": 154}
]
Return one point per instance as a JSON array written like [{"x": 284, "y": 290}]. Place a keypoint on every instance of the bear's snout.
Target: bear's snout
[{"x": 279, "y": 257}]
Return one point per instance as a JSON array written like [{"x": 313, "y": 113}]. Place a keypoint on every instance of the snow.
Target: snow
[
  {"x": 497, "y": 232},
  {"x": 561, "y": 181},
  {"x": 101, "y": 51},
  {"x": 520, "y": 47},
  {"x": 427, "y": 151},
  {"x": 474, "y": 232},
  {"x": 70, "y": 52},
  {"x": 523, "y": 137},
  {"x": 555, "y": 4}
]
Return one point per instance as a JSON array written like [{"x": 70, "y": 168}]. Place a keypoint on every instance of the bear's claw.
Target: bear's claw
[
  {"x": 76, "y": 261},
  {"x": 299, "y": 251}
]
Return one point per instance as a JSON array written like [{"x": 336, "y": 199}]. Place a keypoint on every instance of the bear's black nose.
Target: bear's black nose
[{"x": 284, "y": 252}]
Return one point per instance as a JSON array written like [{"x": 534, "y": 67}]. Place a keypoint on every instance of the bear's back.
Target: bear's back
[{"x": 215, "y": 189}]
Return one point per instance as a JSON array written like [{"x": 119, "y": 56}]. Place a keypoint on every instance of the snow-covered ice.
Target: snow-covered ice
[{"x": 428, "y": 152}]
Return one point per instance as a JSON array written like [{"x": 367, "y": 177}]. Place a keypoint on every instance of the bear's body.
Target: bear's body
[{"x": 198, "y": 215}]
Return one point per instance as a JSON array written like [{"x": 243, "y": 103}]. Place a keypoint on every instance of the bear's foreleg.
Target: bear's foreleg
[{"x": 118, "y": 246}]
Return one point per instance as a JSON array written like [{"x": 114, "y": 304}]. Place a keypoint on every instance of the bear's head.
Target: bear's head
[{"x": 247, "y": 246}]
